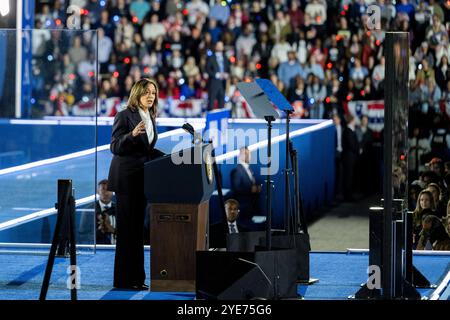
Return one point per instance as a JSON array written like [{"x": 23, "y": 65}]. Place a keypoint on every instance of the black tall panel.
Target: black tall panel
[
  {"x": 8, "y": 72},
  {"x": 8, "y": 62},
  {"x": 395, "y": 149}
]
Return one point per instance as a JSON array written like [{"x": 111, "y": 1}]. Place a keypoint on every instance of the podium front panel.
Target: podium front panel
[{"x": 177, "y": 232}]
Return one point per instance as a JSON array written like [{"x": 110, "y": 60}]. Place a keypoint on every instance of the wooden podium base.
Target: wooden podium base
[{"x": 172, "y": 285}]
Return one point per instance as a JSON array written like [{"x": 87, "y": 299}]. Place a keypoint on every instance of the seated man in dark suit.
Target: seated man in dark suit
[
  {"x": 218, "y": 232},
  {"x": 105, "y": 217},
  {"x": 243, "y": 186}
]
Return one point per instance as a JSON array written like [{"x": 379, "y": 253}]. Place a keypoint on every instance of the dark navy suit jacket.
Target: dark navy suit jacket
[
  {"x": 241, "y": 184},
  {"x": 212, "y": 67},
  {"x": 241, "y": 190}
]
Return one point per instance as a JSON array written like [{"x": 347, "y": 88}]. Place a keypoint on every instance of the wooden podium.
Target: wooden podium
[{"x": 178, "y": 187}]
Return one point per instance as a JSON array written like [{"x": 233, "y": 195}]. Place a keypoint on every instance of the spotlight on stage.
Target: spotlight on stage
[{"x": 4, "y": 7}]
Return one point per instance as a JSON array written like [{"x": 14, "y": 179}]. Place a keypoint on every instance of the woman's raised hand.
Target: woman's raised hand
[{"x": 139, "y": 129}]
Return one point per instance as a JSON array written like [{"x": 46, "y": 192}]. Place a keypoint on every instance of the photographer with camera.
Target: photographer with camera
[{"x": 105, "y": 217}]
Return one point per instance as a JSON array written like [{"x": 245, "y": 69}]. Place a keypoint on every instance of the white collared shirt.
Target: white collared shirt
[
  {"x": 247, "y": 169},
  {"x": 104, "y": 206},
  {"x": 232, "y": 224},
  {"x": 145, "y": 115},
  {"x": 339, "y": 138},
  {"x": 219, "y": 59}
]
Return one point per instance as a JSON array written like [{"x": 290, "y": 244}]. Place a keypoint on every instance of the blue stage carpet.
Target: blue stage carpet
[{"x": 339, "y": 274}]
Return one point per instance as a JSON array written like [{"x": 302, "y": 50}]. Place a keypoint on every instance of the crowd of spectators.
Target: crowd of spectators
[
  {"x": 320, "y": 54},
  {"x": 429, "y": 200}
]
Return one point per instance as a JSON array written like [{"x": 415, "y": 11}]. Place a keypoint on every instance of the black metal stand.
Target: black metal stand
[
  {"x": 66, "y": 215},
  {"x": 407, "y": 276},
  {"x": 287, "y": 172},
  {"x": 219, "y": 187},
  {"x": 291, "y": 238},
  {"x": 299, "y": 216},
  {"x": 294, "y": 218},
  {"x": 297, "y": 238},
  {"x": 63, "y": 248},
  {"x": 278, "y": 262},
  {"x": 269, "y": 120}
]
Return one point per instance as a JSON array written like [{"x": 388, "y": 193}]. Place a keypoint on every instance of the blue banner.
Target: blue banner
[
  {"x": 27, "y": 55},
  {"x": 216, "y": 129}
]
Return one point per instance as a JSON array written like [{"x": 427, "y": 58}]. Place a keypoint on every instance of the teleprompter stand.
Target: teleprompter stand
[
  {"x": 65, "y": 217},
  {"x": 295, "y": 234},
  {"x": 266, "y": 271}
]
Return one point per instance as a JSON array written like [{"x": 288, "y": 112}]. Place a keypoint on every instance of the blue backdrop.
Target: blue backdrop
[{"x": 315, "y": 155}]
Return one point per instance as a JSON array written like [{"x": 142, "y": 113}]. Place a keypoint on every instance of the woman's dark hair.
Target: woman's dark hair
[{"x": 138, "y": 90}]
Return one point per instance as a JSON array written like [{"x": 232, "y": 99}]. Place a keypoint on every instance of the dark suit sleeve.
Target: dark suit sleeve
[
  {"x": 349, "y": 141},
  {"x": 157, "y": 153},
  {"x": 122, "y": 138},
  {"x": 226, "y": 65},
  {"x": 210, "y": 68},
  {"x": 237, "y": 182}
]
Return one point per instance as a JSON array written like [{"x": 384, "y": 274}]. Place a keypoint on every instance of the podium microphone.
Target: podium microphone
[{"x": 190, "y": 129}]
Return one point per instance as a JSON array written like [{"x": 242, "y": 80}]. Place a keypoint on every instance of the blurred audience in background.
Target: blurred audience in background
[{"x": 320, "y": 54}]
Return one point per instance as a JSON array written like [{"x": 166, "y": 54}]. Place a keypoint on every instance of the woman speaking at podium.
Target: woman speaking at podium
[{"x": 133, "y": 142}]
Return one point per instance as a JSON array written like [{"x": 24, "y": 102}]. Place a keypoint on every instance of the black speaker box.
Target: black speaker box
[
  {"x": 247, "y": 241},
  {"x": 301, "y": 246},
  {"x": 222, "y": 275},
  {"x": 244, "y": 241}
]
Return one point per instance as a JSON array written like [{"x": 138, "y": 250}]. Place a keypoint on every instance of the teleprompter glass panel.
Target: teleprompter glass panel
[{"x": 46, "y": 78}]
